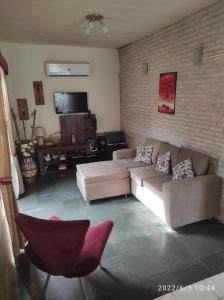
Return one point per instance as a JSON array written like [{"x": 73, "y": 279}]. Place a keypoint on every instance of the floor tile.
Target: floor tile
[
  {"x": 167, "y": 297},
  {"x": 167, "y": 282},
  {"x": 216, "y": 283},
  {"x": 141, "y": 252},
  {"x": 214, "y": 262},
  {"x": 195, "y": 291}
]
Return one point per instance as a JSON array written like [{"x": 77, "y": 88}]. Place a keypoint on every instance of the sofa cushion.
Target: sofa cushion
[
  {"x": 156, "y": 145},
  {"x": 163, "y": 163},
  {"x": 156, "y": 184},
  {"x": 144, "y": 153},
  {"x": 183, "y": 170},
  {"x": 129, "y": 163},
  {"x": 200, "y": 161},
  {"x": 100, "y": 171},
  {"x": 165, "y": 147},
  {"x": 141, "y": 173},
  {"x": 124, "y": 153}
]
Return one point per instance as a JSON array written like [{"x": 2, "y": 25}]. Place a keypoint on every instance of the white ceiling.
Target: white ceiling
[{"x": 63, "y": 21}]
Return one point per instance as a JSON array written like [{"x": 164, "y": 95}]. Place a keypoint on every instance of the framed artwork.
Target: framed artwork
[
  {"x": 23, "y": 109},
  {"x": 167, "y": 93},
  {"x": 38, "y": 92}
]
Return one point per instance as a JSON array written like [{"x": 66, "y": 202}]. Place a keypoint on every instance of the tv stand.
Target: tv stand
[
  {"x": 82, "y": 129},
  {"x": 58, "y": 156},
  {"x": 69, "y": 156}
]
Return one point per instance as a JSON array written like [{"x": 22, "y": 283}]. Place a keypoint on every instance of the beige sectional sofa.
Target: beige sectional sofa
[
  {"x": 105, "y": 179},
  {"x": 176, "y": 203}
]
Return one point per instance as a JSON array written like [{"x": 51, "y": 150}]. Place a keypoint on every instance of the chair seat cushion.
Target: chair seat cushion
[
  {"x": 101, "y": 171},
  {"x": 141, "y": 173},
  {"x": 156, "y": 184},
  {"x": 93, "y": 247}
]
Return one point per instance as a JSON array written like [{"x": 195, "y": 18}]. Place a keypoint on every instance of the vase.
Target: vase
[{"x": 29, "y": 169}]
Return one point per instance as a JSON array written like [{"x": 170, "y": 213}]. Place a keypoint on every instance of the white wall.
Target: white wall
[{"x": 26, "y": 64}]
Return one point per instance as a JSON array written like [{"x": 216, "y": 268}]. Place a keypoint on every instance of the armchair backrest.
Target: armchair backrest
[{"x": 56, "y": 245}]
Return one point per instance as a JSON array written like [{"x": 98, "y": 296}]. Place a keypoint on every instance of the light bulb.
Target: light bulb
[
  {"x": 91, "y": 25},
  {"x": 104, "y": 27},
  {"x": 87, "y": 29}
]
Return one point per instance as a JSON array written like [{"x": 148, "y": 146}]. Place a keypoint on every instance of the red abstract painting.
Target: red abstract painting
[{"x": 167, "y": 93}]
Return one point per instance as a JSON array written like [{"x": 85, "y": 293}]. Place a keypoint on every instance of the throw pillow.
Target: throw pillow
[
  {"x": 183, "y": 170},
  {"x": 163, "y": 163},
  {"x": 144, "y": 153}
]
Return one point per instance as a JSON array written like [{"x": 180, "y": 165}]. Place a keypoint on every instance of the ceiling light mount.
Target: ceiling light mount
[{"x": 92, "y": 19}]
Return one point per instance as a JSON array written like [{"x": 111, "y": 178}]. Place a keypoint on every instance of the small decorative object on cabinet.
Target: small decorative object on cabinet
[
  {"x": 53, "y": 139},
  {"x": 73, "y": 139},
  {"x": 167, "y": 93},
  {"x": 47, "y": 157}
]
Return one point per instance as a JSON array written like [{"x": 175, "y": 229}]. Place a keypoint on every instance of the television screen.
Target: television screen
[{"x": 66, "y": 103}]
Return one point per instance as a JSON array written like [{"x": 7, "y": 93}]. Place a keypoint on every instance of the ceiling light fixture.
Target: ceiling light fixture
[
  {"x": 92, "y": 19},
  {"x": 41, "y": 33}
]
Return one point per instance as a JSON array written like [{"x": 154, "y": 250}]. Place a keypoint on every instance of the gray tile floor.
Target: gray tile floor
[{"x": 141, "y": 254}]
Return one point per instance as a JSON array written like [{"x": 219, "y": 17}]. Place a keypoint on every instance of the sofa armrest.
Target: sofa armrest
[
  {"x": 191, "y": 200},
  {"x": 124, "y": 153}
]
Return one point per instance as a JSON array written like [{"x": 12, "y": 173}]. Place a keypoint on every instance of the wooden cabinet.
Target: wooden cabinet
[
  {"x": 58, "y": 151},
  {"x": 82, "y": 126},
  {"x": 72, "y": 155}
]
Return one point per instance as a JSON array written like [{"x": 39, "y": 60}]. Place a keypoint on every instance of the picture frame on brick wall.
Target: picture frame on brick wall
[{"x": 167, "y": 93}]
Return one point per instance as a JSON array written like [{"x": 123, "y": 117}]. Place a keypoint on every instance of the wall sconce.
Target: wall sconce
[
  {"x": 198, "y": 55},
  {"x": 145, "y": 68}
]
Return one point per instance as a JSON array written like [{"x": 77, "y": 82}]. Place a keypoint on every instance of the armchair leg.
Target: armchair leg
[
  {"x": 101, "y": 266},
  {"x": 82, "y": 286},
  {"x": 46, "y": 284}
]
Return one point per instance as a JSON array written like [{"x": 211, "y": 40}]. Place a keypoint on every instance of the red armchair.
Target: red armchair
[{"x": 67, "y": 248}]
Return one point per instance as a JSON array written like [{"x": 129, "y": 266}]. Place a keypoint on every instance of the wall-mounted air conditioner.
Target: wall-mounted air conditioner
[{"x": 67, "y": 69}]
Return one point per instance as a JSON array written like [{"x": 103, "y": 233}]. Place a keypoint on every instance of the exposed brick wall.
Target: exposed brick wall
[{"x": 199, "y": 115}]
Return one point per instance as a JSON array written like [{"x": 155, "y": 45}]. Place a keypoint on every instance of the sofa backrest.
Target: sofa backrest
[
  {"x": 200, "y": 161},
  {"x": 166, "y": 147},
  {"x": 156, "y": 146}
]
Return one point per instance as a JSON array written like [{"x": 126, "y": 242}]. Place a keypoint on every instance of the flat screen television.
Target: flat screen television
[{"x": 66, "y": 103}]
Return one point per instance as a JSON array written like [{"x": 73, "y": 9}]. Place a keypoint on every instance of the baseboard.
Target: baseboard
[{"x": 221, "y": 218}]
